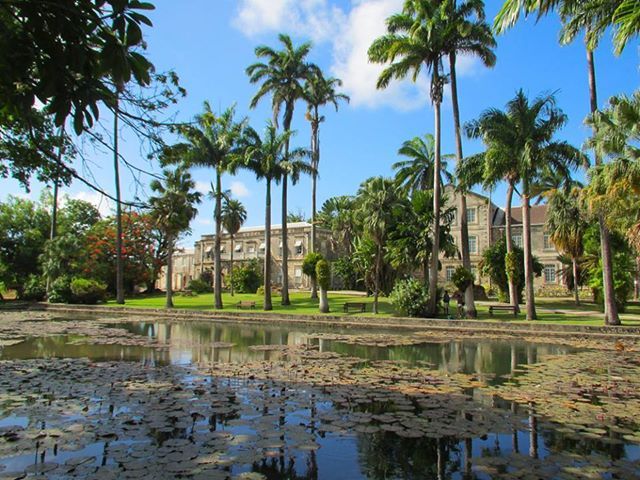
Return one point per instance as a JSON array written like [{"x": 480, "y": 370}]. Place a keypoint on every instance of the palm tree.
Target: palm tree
[
  {"x": 469, "y": 35},
  {"x": 211, "y": 142},
  {"x": 172, "y": 209},
  {"x": 591, "y": 17},
  {"x": 376, "y": 199},
  {"x": 282, "y": 76},
  {"x": 416, "y": 39},
  {"x": 267, "y": 158},
  {"x": 233, "y": 216},
  {"x": 337, "y": 214},
  {"x": 525, "y": 133},
  {"x": 627, "y": 19},
  {"x": 566, "y": 226},
  {"x": 418, "y": 172},
  {"x": 318, "y": 91}
]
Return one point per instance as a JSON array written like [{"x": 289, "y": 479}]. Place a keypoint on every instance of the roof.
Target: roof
[
  {"x": 538, "y": 214},
  {"x": 275, "y": 227}
]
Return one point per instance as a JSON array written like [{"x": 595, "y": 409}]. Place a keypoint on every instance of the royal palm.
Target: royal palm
[{"x": 233, "y": 216}]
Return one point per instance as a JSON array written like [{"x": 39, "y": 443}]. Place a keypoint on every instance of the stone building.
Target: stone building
[
  {"x": 487, "y": 224},
  {"x": 182, "y": 270}
]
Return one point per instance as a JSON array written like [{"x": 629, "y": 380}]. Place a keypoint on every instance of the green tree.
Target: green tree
[
  {"x": 211, "y": 142},
  {"x": 172, "y": 209},
  {"x": 233, "y": 216},
  {"x": 282, "y": 76},
  {"x": 309, "y": 269},
  {"x": 418, "y": 172},
  {"x": 416, "y": 39},
  {"x": 323, "y": 274},
  {"x": 338, "y": 215},
  {"x": 318, "y": 92}
]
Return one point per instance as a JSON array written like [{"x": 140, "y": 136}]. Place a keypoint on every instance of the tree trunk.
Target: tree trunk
[
  {"x": 267, "y": 251},
  {"x": 469, "y": 303},
  {"x": 315, "y": 153},
  {"x": 169, "y": 277},
  {"x": 231, "y": 267},
  {"x": 576, "y": 288},
  {"x": 636, "y": 290},
  {"x": 285, "y": 243},
  {"x": 217, "y": 261},
  {"x": 116, "y": 168},
  {"x": 314, "y": 288},
  {"x": 528, "y": 258},
  {"x": 433, "y": 273},
  {"x": 324, "y": 301},
  {"x": 513, "y": 289},
  {"x": 611, "y": 316},
  {"x": 376, "y": 290},
  {"x": 54, "y": 219}
]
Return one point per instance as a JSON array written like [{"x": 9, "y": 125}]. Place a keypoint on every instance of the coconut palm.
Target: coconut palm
[
  {"x": 417, "y": 173},
  {"x": 211, "y": 142},
  {"x": 266, "y": 158},
  {"x": 416, "y": 39},
  {"x": 282, "y": 76},
  {"x": 318, "y": 92},
  {"x": 591, "y": 17},
  {"x": 233, "y": 216},
  {"x": 627, "y": 19},
  {"x": 172, "y": 209},
  {"x": 469, "y": 35}
]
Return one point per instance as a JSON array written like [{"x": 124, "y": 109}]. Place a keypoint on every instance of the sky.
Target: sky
[{"x": 209, "y": 44}]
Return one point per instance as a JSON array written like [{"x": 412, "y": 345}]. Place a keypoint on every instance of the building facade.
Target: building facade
[
  {"x": 182, "y": 270},
  {"x": 487, "y": 224}
]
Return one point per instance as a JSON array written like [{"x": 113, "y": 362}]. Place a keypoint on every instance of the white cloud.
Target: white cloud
[
  {"x": 102, "y": 203},
  {"x": 205, "y": 221},
  {"x": 239, "y": 189}
]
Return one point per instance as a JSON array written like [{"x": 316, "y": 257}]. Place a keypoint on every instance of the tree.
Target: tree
[
  {"x": 469, "y": 35},
  {"x": 417, "y": 173},
  {"x": 337, "y": 215},
  {"x": 266, "y": 157},
  {"x": 416, "y": 39},
  {"x": 233, "y": 216},
  {"x": 282, "y": 77},
  {"x": 566, "y": 225},
  {"x": 591, "y": 17},
  {"x": 172, "y": 209},
  {"x": 318, "y": 91},
  {"x": 323, "y": 274},
  {"x": 376, "y": 201},
  {"x": 309, "y": 269},
  {"x": 211, "y": 142}
]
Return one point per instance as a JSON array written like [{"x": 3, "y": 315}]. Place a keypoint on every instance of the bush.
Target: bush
[
  {"x": 309, "y": 264},
  {"x": 60, "y": 290},
  {"x": 34, "y": 289},
  {"x": 248, "y": 277},
  {"x": 345, "y": 270},
  {"x": 88, "y": 291},
  {"x": 197, "y": 285},
  {"x": 323, "y": 274},
  {"x": 462, "y": 278},
  {"x": 410, "y": 297}
]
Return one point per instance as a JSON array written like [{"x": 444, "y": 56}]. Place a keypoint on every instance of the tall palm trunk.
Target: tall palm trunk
[
  {"x": 267, "y": 251},
  {"x": 576, "y": 288},
  {"x": 288, "y": 115},
  {"x": 528, "y": 256},
  {"x": 513, "y": 289},
  {"x": 469, "y": 303},
  {"x": 217, "y": 262},
  {"x": 116, "y": 168},
  {"x": 611, "y": 316},
  {"x": 231, "y": 268},
  {"x": 376, "y": 290},
  {"x": 433, "y": 273},
  {"x": 315, "y": 152},
  {"x": 169, "y": 277}
]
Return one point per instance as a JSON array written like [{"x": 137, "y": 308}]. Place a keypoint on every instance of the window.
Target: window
[
  {"x": 547, "y": 243},
  {"x": 549, "y": 274},
  {"x": 471, "y": 215},
  {"x": 517, "y": 240},
  {"x": 450, "y": 270},
  {"x": 209, "y": 252},
  {"x": 238, "y": 247},
  {"x": 473, "y": 244},
  {"x": 298, "y": 273},
  {"x": 299, "y": 247},
  {"x": 454, "y": 216},
  {"x": 251, "y": 248}
]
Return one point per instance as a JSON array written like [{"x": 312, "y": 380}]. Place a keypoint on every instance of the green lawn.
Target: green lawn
[{"x": 550, "y": 310}]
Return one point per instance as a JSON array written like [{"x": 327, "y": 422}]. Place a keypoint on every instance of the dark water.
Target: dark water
[{"x": 379, "y": 455}]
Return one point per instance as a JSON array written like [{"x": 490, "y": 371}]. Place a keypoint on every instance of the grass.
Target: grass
[{"x": 550, "y": 310}]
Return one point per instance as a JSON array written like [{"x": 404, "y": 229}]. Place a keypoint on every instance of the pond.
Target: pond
[{"x": 109, "y": 398}]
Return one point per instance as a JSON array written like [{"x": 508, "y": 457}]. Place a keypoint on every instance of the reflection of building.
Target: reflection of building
[
  {"x": 248, "y": 244},
  {"x": 182, "y": 270},
  {"x": 487, "y": 224}
]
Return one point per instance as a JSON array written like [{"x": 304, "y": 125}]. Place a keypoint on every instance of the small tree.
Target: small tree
[
  {"x": 309, "y": 269},
  {"x": 323, "y": 275},
  {"x": 462, "y": 278}
]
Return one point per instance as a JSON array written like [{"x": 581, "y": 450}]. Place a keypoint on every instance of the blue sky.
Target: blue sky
[{"x": 210, "y": 43}]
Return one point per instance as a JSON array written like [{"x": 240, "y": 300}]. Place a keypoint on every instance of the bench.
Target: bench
[
  {"x": 356, "y": 306},
  {"x": 502, "y": 308},
  {"x": 246, "y": 304}
]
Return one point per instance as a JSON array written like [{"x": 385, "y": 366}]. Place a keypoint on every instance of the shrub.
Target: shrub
[
  {"x": 323, "y": 274},
  {"x": 248, "y": 277},
  {"x": 309, "y": 264},
  {"x": 60, "y": 290},
  {"x": 88, "y": 291},
  {"x": 410, "y": 297},
  {"x": 462, "y": 278},
  {"x": 197, "y": 285},
  {"x": 34, "y": 289},
  {"x": 345, "y": 270}
]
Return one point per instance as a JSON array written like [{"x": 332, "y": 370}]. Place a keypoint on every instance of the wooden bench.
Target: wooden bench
[
  {"x": 246, "y": 304},
  {"x": 502, "y": 308},
  {"x": 357, "y": 306}
]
